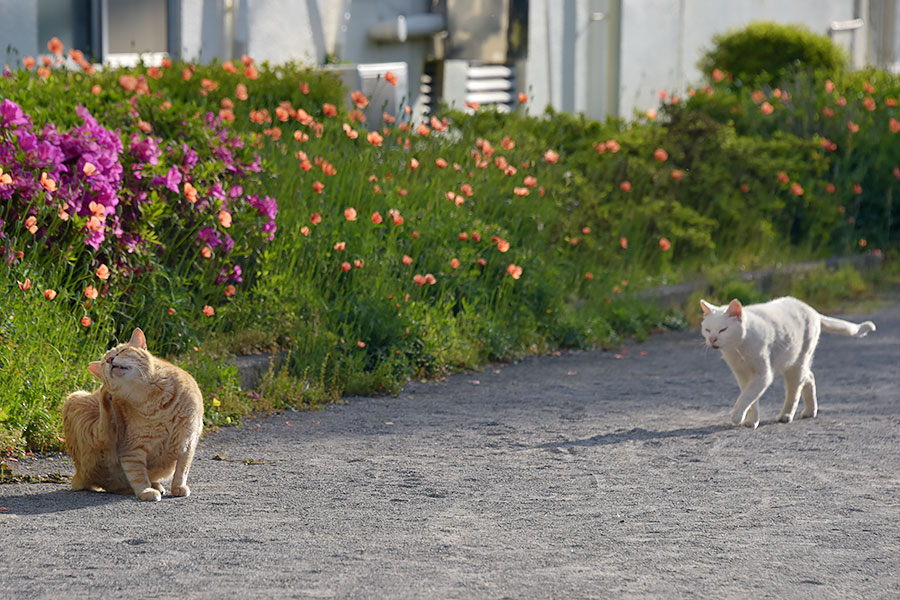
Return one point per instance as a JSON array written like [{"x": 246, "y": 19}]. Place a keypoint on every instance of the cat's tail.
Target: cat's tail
[{"x": 832, "y": 325}]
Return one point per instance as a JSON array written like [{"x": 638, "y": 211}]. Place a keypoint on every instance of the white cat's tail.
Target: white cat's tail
[{"x": 832, "y": 325}]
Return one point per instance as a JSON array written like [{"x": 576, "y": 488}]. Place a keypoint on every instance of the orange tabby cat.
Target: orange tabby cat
[{"x": 140, "y": 428}]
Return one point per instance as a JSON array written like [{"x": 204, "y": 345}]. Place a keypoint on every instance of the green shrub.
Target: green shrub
[{"x": 765, "y": 52}]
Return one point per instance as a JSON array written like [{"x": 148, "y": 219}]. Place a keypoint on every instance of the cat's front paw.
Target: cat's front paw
[
  {"x": 150, "y": 494},
  {"x": 750, "y": 423},
  {"x": 181, "y": 490},
  {"x": 785, "y": 418},
  {"x": 808, "y": 414},
  {"x": 159, "y": 487},
  {"x": 736, "y": 417}
]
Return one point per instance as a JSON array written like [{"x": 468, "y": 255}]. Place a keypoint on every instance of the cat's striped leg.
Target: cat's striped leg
[
  {"x": 793, "y": 381},
  {"x": 749, "y": 398},
  {"x": 134, "y": 463},
  {"x": 810, "y": 402},
  {"x": 182, "y": 467}
]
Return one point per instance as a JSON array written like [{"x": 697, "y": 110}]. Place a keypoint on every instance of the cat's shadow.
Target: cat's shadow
[
  {"x": 637, "y": 434},
  {"x": 54, "y": 501}
]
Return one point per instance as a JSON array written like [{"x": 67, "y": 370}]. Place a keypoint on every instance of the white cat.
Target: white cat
[{"x": 759, "y": 341}]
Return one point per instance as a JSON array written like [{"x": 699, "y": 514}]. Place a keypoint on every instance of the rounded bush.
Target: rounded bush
[{"x": 765, "y": 52}]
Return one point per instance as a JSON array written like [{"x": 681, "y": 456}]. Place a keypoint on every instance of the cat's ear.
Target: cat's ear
[
  {"x": 706, "y": 306},
  {"x": 734, "y": 309},
  {"x": 137, "y": 339},
  {"x": 94, "y": 368}
]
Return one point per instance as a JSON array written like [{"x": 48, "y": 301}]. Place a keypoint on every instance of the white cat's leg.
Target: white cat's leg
[
  {"x": 792, "y": 383},
  {"x": 810, "y": 402},
  {"x": 134, "y": 463},
  {"x": 752, "y": 418},
  {"x": 750, "y": 395}
]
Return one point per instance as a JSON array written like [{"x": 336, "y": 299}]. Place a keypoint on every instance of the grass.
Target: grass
[{"x": 405, "y": 254}]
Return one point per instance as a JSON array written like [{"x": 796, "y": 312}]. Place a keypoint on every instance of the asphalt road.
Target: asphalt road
[{"x": 582, "y": 475}]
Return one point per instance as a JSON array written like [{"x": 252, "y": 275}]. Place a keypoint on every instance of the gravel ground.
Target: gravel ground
[{"x": 583, "y": 475}]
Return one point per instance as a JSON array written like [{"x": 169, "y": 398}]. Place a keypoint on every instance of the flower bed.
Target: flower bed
[{"x": 147, "y": 197}]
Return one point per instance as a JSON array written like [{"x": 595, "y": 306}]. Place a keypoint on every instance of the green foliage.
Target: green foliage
[
  {"x": 483, "y": 237},
  {"x": 765, "y": 52}
]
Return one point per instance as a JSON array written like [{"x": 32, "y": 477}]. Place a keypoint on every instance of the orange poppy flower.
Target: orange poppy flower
[
  {"x": 340, "y": 246},
  {"x": 89, "y": 169},
  {"x": 413, "y": 164},
  {"x": 374, "y": 138},
  {"x": 206, "y": 252},
  {"x": 230, "y": 291},
  {"x": 796, "y": 189},
  {"x": 315, "y": 219},
  {"x": 407, "y": 259},
  {"x": 677, "y": 174},
  {"x": 90, "y": 292},
  {"x": 330, "y": 110},
  {"x": 783, "y": 177},
  {"x": 857, "y": 189},
  {"x": 398, "y": 220},
  {"x": 5, "y": 178},
  {"x": 551, "y": 157},
  {"x": 190, "y": 192},
  {"x": 229, "y": 66},
  {"x": 391, "y": 78},
  {"x": 451, "y": 196},
  {"x": 318, "y": 186},
  {"x": 766, "y": 108},
  {"x": 25, "y": 285},
  {"x": 623, "y": 243},
  {"x": 359, "y": 99},
  {"x": 419, "y": 279},
  {"x": 250, "y": 72},
  {"x": 586, "y": 230},
  {"x": 55, "y": 46},
  {"x": 170, "y": 311},
  {"x": 521, "y": 191},
  {"x": 305, "y": 230},
  {"x": 350, "y": 214},
  {"x": 49, "y": 294},
  {"x": 345, "y": 266},
  {"x": 28, "y": 62},
  {"x": 476, "y": 237},
  {"x": 853, "y": 127},
  {"x": 208, "y": 310},
  {"x": 454, "y": 263},
  {"x": 441, "y": 163},
  {"x": 660, "y": 155},
  {"x": 589, "y": 276},
  {"x": 530, "y": 181},
  {"x": 523, "y": 97},
  {"x": 515, "y": 271},
  {"x": 423, "y": 130},
  {"x": 357, "y": 263},
  {"x": 502, "y": 245},
  {"x": 103, "y": 272},
  {"x": 437, "y": 124},
  {"x": 86, "y": 321},
  {"x": 376, "y": 218},
  {"x": 430, "y": 279},
  {"x": 31, "y": 224},
  {"x": 96, "y": 89},
  {"x": 466, "y": 189},
  {"x": 894, "y": 124},
  {"x": 481, "y": 262},
  {"x": 745, "y": 188},
  {"x": 829, "y": 188},
  {"x": 665, "y": 244},
  {"x": 717, "y": 75}
]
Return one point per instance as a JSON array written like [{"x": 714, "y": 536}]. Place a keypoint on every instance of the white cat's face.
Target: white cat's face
[{"x": 722, "y": 326}]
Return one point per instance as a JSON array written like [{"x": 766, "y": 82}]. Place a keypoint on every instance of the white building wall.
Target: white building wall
[
  {"x": 18, "y": 31},
  {"x": 662, "y": 40}
]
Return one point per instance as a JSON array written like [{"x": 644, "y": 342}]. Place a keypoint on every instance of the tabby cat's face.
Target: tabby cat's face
[{"x": 124, "y": 365}]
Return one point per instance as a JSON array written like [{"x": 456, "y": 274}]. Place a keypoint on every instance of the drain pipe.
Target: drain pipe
[{"x": 404, "y": 27}]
